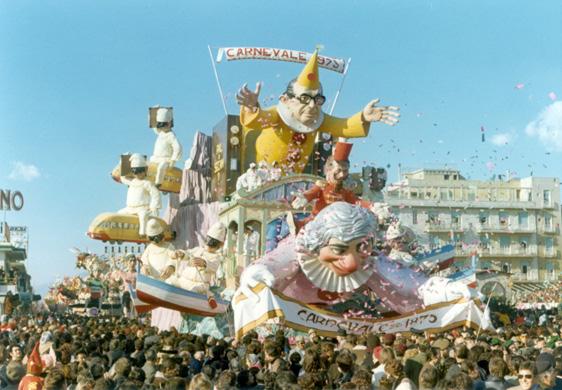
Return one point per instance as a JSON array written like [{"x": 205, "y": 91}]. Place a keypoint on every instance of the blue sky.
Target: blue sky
[{"x": 77, "y": 77}]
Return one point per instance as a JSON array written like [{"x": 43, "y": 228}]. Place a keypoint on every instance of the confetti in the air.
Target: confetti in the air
[
  {"x": 519, "y": 86},
  {"x": 552, "y": 96}
]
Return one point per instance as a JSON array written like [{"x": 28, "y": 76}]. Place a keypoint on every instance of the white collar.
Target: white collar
[
  {"x": 294, "y": 124},
  {"x": 324, "y": 278}
]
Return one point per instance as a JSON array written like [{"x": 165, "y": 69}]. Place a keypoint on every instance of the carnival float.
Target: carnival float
[{"x": 266, "y": 224}]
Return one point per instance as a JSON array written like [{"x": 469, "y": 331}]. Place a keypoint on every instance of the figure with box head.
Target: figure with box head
[
  {"x": 203, "y": 263},
  {"x": 167, "y": 149},
  {"x": 288, "y": 130},
  {"x": 159, "y": 257},
  {"x": 143, "y": 198}
]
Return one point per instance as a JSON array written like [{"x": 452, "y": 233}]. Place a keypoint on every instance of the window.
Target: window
[
  {"x": 524, "y": 269},
  {"x": 505, "y": 244},
  {"x": 415, "y": 217},
  {"x": 483, "y": 218},
  {"x": 504, "y": 219},
  {"x": 446, "y": 177},
  {"x": 433, "y": 218},
  {"x": 546, "y": 197},
  {"x": 548, "y": 222},
  {"x": 471, "y": 195},
  {"x": 523, "y": 220},
  {"x": 549, "y": 246},
  {"x": 455, "y": 219}
]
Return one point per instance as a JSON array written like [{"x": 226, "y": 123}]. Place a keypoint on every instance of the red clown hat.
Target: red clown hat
[{"x": 342, "y": 151}]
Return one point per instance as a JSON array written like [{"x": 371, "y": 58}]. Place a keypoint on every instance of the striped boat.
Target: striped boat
[
  {"x": 140, "y": 306},
  {"x": 158, "y": 293},
  {"x": 438, "y": 259},
  {"x": 467, "y": 276}
]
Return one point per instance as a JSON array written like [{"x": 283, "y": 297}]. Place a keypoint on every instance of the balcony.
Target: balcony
[
  {"x": 489, "y": 228},
  {"x": 550, "y": 253},
  {"x": 549, "y": 230},
  {"x": 5, "y": 288},
  {"x": 521, "y": 277},
  {"x": 508, "y": 252},
  {"x": 442, "y": 227}
]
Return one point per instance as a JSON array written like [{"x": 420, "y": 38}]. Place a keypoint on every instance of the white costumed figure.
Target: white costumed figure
[
  {"x": 275, "y": 172},
  {"x": 203, "y": 263},
  {"x": 158, "y": 259},
  {"x": 399, "y": 239},
  {"x": 250, "y": 180},
  {"x": 143, "y": 198},
  {"x": 263, "y": 172},
  {"x": 167, "y": 149}
]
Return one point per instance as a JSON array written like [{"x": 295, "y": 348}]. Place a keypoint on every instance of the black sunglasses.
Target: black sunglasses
[{"x": 526, "y": 376}]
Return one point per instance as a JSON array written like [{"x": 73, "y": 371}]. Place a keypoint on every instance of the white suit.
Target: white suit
[
  {"x": 249, "y": 180},
  {"x": 198, "y": 279},
  {"x": 251, "y": 244},
  {"x": 167, "y": 151},
  {"x": 143, "y": 199},
  {"x": 264, "y": 174},
  {"x": 275, "y": 174},
  {"x": 157, "y": 257}
]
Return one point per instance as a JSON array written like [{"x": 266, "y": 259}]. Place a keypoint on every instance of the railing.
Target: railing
[
  {"x": 516, "y": 252},
  {"x": 505, "y": 228},
  {"x": 549, "y": 229},
  {"x": 5, "y": 288},
  {"x": 439, "y": 226}
]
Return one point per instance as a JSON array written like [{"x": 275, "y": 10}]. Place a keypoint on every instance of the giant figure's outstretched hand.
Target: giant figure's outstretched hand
[
  {"x": 257, "y": 273},
  {"x": 385, "y": 114},
  {"x": 247, "y": 98}
]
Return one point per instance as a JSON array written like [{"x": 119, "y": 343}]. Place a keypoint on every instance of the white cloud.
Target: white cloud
[
  {"x": 23, "y": 171},
  {"x": 501, "y": 139},
  {"x": 547, "y": 126}
]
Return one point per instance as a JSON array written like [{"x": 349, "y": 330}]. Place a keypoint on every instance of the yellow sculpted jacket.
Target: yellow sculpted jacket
[{"x": 291, "y": 149}]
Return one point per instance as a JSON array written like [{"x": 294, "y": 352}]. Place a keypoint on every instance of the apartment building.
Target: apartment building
[{"x": 512, "y": 224}]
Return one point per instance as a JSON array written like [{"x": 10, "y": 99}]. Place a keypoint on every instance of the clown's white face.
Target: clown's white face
[
  {"x": 344, "y": 258},
  {"x": 307, "y": 114},
  {"x": 337, "y": 171}
]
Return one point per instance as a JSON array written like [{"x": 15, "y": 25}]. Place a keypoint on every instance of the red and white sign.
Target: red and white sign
[{"x": 268, "y": 53}]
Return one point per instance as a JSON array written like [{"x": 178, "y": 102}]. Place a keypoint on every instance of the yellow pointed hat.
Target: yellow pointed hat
[{"x": 309, "y": 77}]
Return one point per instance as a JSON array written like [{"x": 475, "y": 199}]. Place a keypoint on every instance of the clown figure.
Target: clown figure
[
  {"x": 288, "y": 130},
  {"x": 331, "y": 259}
]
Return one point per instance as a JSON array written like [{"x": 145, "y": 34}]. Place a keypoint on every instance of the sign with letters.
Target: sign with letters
[
  {"x": 274, "y": 305},
  {"x": 268, "y": 53},
  {"x": 11, "y": 200}
]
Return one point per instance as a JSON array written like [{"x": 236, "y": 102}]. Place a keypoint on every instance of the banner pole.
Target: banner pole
[
  {"x": 486, "y": 308},
  {"x": 341, "y": 86},
  {"x": 217, "y": 79},
  {"x": 340, "y": 139}
]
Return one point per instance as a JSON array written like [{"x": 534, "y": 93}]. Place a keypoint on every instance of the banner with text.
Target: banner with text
[
  {"x": 249, "y": 314},
  {"x": 268, "y": 53}
]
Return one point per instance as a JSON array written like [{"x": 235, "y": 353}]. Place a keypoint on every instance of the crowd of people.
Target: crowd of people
[
  {"x": 548, "y": 294},
  {"x": 49, "y": 351}
]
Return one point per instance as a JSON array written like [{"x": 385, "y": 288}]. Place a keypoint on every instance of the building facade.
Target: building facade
[
  {"x": 513, "y": 225},
  {"x": 15, "y": 282}
]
